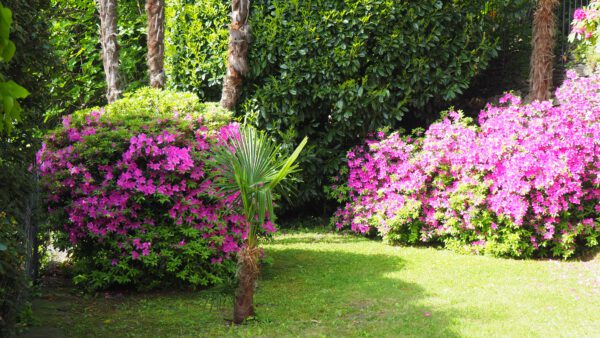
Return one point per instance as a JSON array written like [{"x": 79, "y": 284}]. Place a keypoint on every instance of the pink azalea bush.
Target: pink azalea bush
[
  {"x": 524, "y": 181},
  {"x": 129, "y": 191}
]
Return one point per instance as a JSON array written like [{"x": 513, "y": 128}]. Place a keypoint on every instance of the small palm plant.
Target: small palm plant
[{"x": 252, "y": 166}]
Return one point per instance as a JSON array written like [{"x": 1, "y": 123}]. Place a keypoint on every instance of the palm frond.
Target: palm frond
[{"x": 251, "y": 165}]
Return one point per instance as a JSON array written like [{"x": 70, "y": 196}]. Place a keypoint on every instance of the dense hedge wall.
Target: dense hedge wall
[
  {"x": 336, "y": 70},
  {"x": 195, "y": 48},
  {"x": 130, "y": 195}
]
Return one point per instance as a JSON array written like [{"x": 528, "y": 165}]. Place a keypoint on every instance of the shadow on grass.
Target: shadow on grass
[
  {"x": 342, "y": 293},
  {"x": 589, "y": 255}
]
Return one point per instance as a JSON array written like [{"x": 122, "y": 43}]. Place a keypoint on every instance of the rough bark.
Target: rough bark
[
  {"x": 155, "y": 9},
  {"x": 110, "y": 47},
  {"x": 247, "y": 276},
  {"x": 237, "y": 54},
  {"x": 542, "y": 58}
]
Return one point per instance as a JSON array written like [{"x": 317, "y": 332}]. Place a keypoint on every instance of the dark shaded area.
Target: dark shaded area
[{"x": 588, "y": 254}]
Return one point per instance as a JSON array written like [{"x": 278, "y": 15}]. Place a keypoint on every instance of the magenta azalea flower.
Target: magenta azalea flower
[{"x": 580, "y": 14}]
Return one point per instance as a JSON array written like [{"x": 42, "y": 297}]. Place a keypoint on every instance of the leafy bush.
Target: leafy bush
[
  {"x": 585, "y": 32},
  {"x": 510, "y": 70},
  {"x": 129, "y": 192},
  {"x": 12, "y": 276},
  {"x": 525, "y": 182},
  {"x": 334, "y": 70},
  {"x": 10, "y": 91},
  {"x": 196, "y": 44},
  {"x": 18, "y": 204}
]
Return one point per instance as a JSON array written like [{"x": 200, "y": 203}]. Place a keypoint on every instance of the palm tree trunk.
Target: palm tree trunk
[
  {"x": 248, "y": 275},
  {"x": 155, "y": 9},
  {"x": 542, "y": 58},
  {"x": 237, "y": 54},
  {"x": 110, "y": 47}
]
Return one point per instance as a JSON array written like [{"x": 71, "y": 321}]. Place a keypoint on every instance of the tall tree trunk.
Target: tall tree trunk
[
  {"x": 110, "y": 47},
  {"x": 542, "y": 58},
  {"x": 155, "y": 9},
  {"x": 237, "y": 58},
  {"x": 247, "y": 276}
]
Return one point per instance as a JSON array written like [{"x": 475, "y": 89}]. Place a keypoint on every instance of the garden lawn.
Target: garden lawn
[{"x": 334, "y": 285}]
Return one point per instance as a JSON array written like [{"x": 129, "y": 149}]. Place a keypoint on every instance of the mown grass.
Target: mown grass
[{"x": 334, "y": 285}]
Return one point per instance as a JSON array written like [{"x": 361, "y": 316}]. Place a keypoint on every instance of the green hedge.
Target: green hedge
[
  {"x": 79, "y": 81},
  {"x": 196, "y": 44},
  {"x": 336, "y": 70}
]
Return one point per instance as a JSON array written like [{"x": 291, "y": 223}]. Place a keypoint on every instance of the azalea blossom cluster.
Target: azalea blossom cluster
[
  {"x": 585, "y": 21},
  {"x": 584, "y": 33},
  {"x": 524, "y": 181},
  {"x": 137, "y": 198}
]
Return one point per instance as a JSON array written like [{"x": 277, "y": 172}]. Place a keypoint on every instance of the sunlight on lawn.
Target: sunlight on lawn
[{"x": 333, "y": 285}]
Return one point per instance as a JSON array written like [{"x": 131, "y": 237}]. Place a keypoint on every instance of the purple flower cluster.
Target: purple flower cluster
[
  {"x": 141, "y": 196},
  {"x": 585, "y": 21},
  {"x": 524, "y": 181},
  {"x": 584, "y": 34}
]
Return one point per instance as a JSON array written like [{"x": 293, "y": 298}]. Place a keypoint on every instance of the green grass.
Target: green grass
[{"x": 333, "y": 285}]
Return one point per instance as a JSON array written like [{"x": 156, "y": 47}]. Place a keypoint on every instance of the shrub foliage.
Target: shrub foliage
[
  {"x": 12, "y": 279},
  {"x": 334, "y": 70},
  {"x": 524, "y": 182},
  {"x": 129, "y": 191}
]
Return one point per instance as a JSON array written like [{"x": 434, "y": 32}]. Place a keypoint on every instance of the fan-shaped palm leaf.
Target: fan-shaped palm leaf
[{"x": 251, "y": 165}]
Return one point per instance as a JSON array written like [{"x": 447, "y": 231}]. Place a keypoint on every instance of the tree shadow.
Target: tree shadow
[
  {"x": 589, "y": 255},
  {"x": 357, "y": 294}
]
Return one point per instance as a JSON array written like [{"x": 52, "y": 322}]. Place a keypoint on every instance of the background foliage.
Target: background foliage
[
  {"x": 336, "y": 70},
  {"x": 12, "y": 278},
  {"x": 76, "y": 44},
  {"x": 10, "y": 91},
  {"x": 510, "y": 70},
  {"x": 196, "y": 43},
  {"x": 31, "y": 67}
]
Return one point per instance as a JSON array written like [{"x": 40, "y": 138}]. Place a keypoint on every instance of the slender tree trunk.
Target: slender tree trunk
[
  {"x": 155, "y": 9},
  {"x": 542, "y": 58},
  {"x": 247, "y": 274},
  {"x": 237, "y": 54},
  {"x": 110, "y": 47}
]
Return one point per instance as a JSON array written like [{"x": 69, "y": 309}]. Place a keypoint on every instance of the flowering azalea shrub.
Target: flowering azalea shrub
[
  {"x": 523, "y": 182},
  {"x": 130, "y": 193},
  {"x": 585, "y": 32}
]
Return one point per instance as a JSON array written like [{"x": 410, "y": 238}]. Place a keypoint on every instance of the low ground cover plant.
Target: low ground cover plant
[
  {"x": 523, "y": 182},
  {"x": 130, "y": 194}
]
